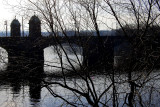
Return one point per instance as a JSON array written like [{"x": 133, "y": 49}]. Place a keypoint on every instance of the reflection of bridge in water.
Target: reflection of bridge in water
[
  {"x": 27, "y": 52},
  {"x": 15, "y": 86}
]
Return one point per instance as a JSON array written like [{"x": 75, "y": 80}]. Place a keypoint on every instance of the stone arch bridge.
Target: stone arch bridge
[{"x": 27, "y": 52}]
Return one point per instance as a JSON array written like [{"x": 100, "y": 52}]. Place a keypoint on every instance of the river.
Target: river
[{"x": 17, "y": 92}]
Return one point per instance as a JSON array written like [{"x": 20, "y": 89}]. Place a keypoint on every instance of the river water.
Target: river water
[{"x": 30, "y": 93}]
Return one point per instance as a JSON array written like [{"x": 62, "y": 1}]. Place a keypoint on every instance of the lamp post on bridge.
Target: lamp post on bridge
[{"x": 5, "y": 23}]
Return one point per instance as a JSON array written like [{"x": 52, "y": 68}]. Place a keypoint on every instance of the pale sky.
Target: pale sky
[
  {"x": 5, "y": 11},
  {"x": 5, "y": 14}
]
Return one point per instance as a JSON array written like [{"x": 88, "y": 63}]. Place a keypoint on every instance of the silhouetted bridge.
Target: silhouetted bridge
[{"x": 28, "y": 51}]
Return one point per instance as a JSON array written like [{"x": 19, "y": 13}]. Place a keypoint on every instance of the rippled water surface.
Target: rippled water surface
[{"x": 17, "y": 92}]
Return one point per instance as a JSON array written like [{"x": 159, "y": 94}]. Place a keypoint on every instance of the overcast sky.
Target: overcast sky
[{"x": 5, "y": 14}]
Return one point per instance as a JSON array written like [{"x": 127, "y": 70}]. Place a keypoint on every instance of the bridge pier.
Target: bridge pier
[
  {"x": 36, "y": 60},
  {"x": 99, "y": 55},
  {"x": 27, "y": 59}
]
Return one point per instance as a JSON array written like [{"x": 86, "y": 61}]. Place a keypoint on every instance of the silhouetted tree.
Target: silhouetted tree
[{"x": 137, "y": 21}]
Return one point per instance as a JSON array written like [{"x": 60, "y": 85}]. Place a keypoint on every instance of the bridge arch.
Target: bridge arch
[{"x": 54, "y": 54}]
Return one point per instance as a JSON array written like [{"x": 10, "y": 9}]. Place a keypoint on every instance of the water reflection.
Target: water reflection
[
  {"x": 35, "y": 91},
  {"x": 35, "y": 88},
  {"x": 20, "y": 90},
  {"x": 53, "y": 56},
  {"x": 29, "y": 92}
]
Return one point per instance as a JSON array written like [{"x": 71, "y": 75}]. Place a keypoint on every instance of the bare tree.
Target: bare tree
[
  {"x": 143, "y": 16},
  {"x": 137, "y": 21}
]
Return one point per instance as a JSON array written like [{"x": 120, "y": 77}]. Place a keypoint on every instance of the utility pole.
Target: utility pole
[
  {"x": 76, "y": 26},
  {"x": 5, "y": 23},
  {"x": 22, "y": 28}
]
